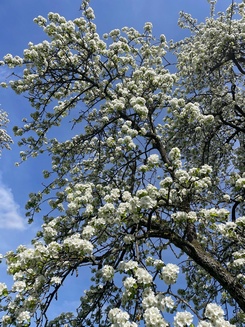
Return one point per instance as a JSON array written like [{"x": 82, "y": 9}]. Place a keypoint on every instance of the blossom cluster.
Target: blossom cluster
[
  {"x": 215, "y": 315},
  {"x": 5, "y": 139},
  {"x": 170, "y": 273},
  {"x": 119, "y": 318}
]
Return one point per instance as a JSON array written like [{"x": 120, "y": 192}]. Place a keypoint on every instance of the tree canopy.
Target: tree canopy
[{"x": 147, "y": 180}]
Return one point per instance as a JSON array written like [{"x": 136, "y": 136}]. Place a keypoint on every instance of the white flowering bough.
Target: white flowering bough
[
  {"x": 153, "y": 173},
  {"x": 5, "y": 139}
]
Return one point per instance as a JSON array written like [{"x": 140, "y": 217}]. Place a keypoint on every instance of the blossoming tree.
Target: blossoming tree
[{"x": 147, "y": 185}]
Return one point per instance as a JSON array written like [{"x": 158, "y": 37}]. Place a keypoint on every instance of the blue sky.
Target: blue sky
[{"x": 16, "y": 30}]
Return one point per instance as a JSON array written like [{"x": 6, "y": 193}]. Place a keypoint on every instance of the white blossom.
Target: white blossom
[
  {"x": 167, "y": 302},
  {"x": 149, "y": 300},
  {"x": 153, "y": 318},
  {"x": 23, "y": 317},
  {"x": 19, "y": 286},
  {"x": 130, "y": 283},
  {"x": 56, "y": 280},
  {"x": 153, "y": 159},
  {"x": 88, "y": 231},
  {"x": 107, "y": 272},
  {"x": 126, "y": 266},
  {"x": 143, "y": 276},
  {"x": 169, "y": 273},
  {"x": 183, "y": 319},
  {"x": 118, "y": 317},
  {"x": 214, "y": 312},
  {"x": 75, "y": 242}
]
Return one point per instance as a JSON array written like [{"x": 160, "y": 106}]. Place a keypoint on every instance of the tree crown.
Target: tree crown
[{"x": 152, "y": 165}]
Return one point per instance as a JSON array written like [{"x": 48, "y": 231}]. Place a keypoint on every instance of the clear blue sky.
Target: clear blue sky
[{"x": 16, "y": 30}]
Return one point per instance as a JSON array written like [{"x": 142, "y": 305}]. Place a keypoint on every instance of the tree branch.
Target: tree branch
[{"x": 196, "y": 252}]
